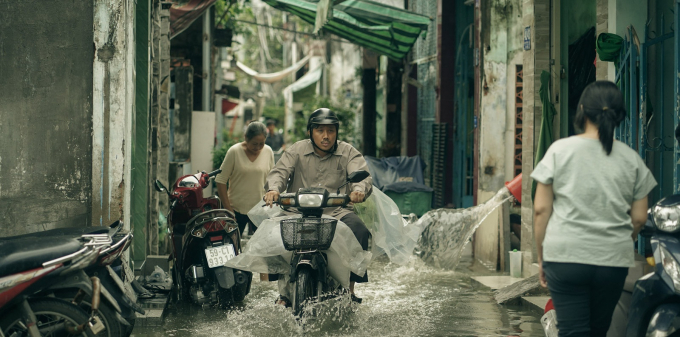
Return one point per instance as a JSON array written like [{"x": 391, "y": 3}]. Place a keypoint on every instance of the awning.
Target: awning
[
  {"x": 184, "y": 13},
  {"x": 274, "y": 77},
  {"x": 387, "y": 30}
]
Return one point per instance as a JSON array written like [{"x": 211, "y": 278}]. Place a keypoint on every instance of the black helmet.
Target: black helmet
[{"x": 323, "y": 116}]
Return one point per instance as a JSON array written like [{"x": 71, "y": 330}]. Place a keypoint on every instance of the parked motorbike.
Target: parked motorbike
[
  {"x": 204, "y": 237},
  {"x": 31, "y": 268},
  {"x": 307, "y": 237},
  {"x": 655, "y": 302},
  {"x": 117, "y": 310}
]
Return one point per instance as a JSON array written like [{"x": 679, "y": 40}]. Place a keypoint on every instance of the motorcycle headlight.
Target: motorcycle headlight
[
  {"x": 310, "y": 200},
  {"x": 670, "y": 266},
  {"x": 667, "y": 219}
]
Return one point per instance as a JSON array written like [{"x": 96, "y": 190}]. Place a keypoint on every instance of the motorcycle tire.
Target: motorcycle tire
[
  {"x": 225, "y": 297},
  {"x": 305, "y": 288},
  {"x": 106, "y": 313},
  {"x": 50, "y": 312}
]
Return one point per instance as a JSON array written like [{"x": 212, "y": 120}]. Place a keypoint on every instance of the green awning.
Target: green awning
[{"x": 387, "y": 30}]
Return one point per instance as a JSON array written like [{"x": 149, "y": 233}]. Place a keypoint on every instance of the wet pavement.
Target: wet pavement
[{"x": 414, "y": 300}]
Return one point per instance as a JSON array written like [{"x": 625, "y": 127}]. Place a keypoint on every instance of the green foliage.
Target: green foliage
[
  {"x": 219, "y": 153},
  {"x": 236, "y": 10},
  {"x": 274, "y": 112}
]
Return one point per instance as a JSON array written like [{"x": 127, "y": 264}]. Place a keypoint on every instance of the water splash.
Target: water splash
[{"x": 445, "y": 232}]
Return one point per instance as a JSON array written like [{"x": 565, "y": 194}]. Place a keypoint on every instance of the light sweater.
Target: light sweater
[
  {"x": 246, "y": 179},
  {"x": 593, "y": 193}
]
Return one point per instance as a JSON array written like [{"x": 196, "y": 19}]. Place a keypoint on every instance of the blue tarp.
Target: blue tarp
[{"x": 397, "y": 170}]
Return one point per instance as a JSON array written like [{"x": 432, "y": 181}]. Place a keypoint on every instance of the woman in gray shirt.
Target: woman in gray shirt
[{"x": 590, "y": 202}]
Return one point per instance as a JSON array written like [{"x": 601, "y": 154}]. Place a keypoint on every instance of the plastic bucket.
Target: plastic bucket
[
  {"x": 516, "y": 264},
  {"x": 515, "y": 187}
]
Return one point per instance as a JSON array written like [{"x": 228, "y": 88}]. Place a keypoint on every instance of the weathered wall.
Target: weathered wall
[
  {"x": 112, "y": 102},
  {"x": 536, "y": 15},
  {"x": 502, "y": 51},
  {"x": 45, "y": 115}
]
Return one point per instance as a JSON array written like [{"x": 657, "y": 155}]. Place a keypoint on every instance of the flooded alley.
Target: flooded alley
[{"x": 414, "y": 300}]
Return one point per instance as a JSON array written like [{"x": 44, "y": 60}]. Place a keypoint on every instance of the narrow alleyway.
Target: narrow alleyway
[{"x": 416, "y": 300}]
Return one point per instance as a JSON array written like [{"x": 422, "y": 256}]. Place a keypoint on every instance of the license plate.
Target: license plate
[{"x": 218, "y": 256}]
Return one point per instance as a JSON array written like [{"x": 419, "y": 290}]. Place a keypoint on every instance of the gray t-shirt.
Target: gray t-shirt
[{"x": 593, "y": 193}]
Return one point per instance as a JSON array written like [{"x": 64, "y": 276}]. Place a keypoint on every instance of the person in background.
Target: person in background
[
  {"x": 274, "y": 139},
  {"x": 590, "y": 204},
  {"x": 245, "y": 169}
]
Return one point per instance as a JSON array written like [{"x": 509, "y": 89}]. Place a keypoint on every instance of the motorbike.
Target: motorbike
[
  {"x": 117, "y": 311},
  {"x": 307, "y": 238},
  {"x": 655, "y": 301},
  {"x": 204, "y": 237},
  {"x": 32, "y": 268}
]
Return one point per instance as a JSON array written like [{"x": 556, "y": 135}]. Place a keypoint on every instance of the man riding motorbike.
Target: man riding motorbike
[{"x": 323, "y": 161}]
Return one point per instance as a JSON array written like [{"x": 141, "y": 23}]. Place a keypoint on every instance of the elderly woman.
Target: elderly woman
[{"x": 245, "y": 169}]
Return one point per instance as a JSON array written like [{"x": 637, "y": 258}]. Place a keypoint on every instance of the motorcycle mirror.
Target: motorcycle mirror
[
  {"x": 160, "y": 187},
  {"x": 357, "y": 176}
]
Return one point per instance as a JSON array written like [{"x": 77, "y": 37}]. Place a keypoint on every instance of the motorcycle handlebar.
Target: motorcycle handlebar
[{"x": 214, "y": 173}]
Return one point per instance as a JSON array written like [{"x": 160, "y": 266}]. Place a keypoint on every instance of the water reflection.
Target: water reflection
[{"x": 413, "y": 300}]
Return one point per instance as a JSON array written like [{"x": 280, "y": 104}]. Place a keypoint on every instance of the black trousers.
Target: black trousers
[
  {"x": 362, "y": 234},
  {"x": 584, "y": 296},
  {"x": 242, "y": 220}
]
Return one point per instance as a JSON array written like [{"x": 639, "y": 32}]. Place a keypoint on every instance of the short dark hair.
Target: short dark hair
[
  {"x": 602, "y": 104},
  {"x": 271, "y": 122}
]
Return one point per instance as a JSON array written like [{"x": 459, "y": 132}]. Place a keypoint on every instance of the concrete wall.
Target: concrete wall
[
  {"x": 65, "y": 113},
  {"x": 112, "y": 102},
  {"x": 501, "y": 45},
  {"x": 536, "y": 15},
  {"x": 45, "y": 115}
]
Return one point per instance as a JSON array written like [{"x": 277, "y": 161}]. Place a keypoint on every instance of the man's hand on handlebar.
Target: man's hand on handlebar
[
  {"x": 357, "y": 197},
  {"x": 270, "y": 197}
]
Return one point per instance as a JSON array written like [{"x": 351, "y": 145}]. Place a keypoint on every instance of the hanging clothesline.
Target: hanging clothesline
[{"x": 274, "y": 77}]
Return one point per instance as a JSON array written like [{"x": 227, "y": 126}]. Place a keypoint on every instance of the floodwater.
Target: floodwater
[
  {"x": 414, "y": 300},
  {"x": 436, "y": 298}
]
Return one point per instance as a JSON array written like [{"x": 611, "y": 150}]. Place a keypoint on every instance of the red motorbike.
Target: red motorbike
[{"x": 204, "y": 238}]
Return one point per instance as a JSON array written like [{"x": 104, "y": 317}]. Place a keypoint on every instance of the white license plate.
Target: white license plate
[{"x": 218, "y": 256}]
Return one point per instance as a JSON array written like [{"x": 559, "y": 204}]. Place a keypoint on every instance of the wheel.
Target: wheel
[
  {"x": 305, "y": 288},
  {"x": 225, "y": 297},
  {"x": 107, "y": 313},
  {"x": 53, "y": 315},
  {"x": 182, "y": 289}
]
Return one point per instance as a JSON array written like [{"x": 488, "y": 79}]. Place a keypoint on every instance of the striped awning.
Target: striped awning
[{"x": 387, "y": 30}]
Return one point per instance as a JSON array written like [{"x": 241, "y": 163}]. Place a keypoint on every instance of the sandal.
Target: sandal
[
  {"x": 283, "y": 300},
  {"x": 356, "y": 299}
]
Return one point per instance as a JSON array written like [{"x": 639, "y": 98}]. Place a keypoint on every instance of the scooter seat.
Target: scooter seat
[{"x": 21, "y": 254}]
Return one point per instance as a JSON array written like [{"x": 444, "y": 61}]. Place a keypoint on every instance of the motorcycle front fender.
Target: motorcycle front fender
[
  {"x": 650, "y": 293},
  {"x": 315, "y": 260},
  {"x": 665, "y": 320}
]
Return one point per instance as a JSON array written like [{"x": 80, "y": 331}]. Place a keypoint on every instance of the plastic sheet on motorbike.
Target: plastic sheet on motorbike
[
  {"x": 388, "y": 228},
  {"x": 381, "y": 216},
  {"x": 265, "y": 252}
]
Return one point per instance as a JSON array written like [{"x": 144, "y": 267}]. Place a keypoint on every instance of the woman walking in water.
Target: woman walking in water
[
  {"x": 591, "y": 201},
  {"x": 245, "y": 168}
]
